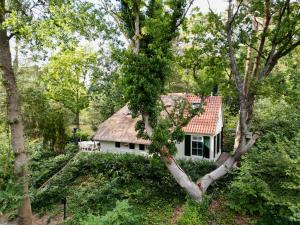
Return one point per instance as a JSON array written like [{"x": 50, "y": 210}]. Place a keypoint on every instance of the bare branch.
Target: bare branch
[
  {"x": 180, "y": 21},
  {"x": 232, "y": 58},
  {"x": 263, "y": 38},
  {"x": 256, "y": 50},
  {"x": 115, "y": 16},
  {"x": 231, "y": 19}
]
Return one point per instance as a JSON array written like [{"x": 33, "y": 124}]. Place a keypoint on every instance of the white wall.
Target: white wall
[
  {"x": 109, "y": 146},
  {"x": 180, "y": 150},
  {"x": 220, "y": 122}
]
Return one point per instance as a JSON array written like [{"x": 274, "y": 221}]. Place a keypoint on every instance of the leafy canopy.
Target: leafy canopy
[{"x": 65, "y": 78}]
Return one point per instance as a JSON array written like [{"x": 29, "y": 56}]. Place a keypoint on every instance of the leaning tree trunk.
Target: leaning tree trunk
[
  {"x": 15, "y": 121},
  {"x": 197, "y": 189}
]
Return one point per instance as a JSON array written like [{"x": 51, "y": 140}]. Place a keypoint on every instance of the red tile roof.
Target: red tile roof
[{"x": 205, "y": 123}]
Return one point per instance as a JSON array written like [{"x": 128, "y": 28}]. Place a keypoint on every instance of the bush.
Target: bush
[
  {"x": 100, "y": 179},
  {"x": 269, "y": 183},
  {"x": 45, "y": 163},
  {"x": 121, "y": 214},
  {"x": 195, "y": 213}
]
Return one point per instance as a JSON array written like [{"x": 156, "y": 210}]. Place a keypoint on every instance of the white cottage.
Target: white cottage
[{"x": 203, "y": 134}]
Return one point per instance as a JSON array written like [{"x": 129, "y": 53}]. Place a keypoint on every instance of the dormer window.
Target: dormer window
[{"x": 196, "y": 105}]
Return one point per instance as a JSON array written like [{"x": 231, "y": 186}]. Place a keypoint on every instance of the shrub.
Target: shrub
[
  {"x": 195, "y": 213},
  {"x": 269, "y": 183},
  {"x": 133, "y": 174},
  {"x": 121, "y": 214}
]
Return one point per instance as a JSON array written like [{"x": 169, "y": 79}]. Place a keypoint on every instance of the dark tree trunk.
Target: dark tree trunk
[
  {"x": 77, "y": 120},
  {"x": 15, "y": 121}
]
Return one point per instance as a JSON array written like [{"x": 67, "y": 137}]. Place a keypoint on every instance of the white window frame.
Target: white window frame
[{"x": 201, "y": 141}]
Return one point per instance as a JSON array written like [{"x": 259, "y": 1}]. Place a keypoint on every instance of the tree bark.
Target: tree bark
[
  {"x": 263, "y": 38},
  {"x": 15, "y": 121},
  {"x": 136, "y": 37}
]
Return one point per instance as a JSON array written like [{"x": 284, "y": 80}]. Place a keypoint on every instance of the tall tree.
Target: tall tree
[
  {"x": 14, "y": 118},
  {"x": 66, "y": 77},
  {"x": 41, "y": 24},
  {"x": 272, "y": 32},
  {"x": 150, "y": 30}
]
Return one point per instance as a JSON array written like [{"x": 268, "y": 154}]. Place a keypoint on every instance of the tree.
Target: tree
[
  {"x": 14, "y": 118},
  {"x": 145, "y": 66},
  {"x": 106, "y": 90},
  {"x": 41, "y": 24},
  {"x": 273, "y": 192},
  {"x": 65, "y": 78}
]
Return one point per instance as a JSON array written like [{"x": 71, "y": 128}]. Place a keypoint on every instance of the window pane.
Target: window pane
[
  {"x": 201, "y": 145},
  {"x": 194, "y": 151},
  {"x": 200, "y": 152},
  {"x": 194, "y": 144},
  {"x": 197, "y": 138}
]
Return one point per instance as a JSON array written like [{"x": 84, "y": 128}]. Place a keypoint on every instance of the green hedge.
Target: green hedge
[{"x": 124, "y": 170}]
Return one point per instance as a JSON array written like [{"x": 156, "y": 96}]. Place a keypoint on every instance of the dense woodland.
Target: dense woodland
[{"x": 72, "y": 64}]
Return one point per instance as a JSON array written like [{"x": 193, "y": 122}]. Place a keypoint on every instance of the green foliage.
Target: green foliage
[
  {"x": 106, "y": 90},
  {"x": 10, "y": 190},
  {"x": 52, "y": 24},
  {"x": 202, "y": 64},
  {"x": 93, "y": 182},
  {"x": 285, "y": 80},
  {"x": 146, "y": 72},
  {"x": 65, "y": 77},
  {"x": 10, "y": 196},
  {"x": 195, "y": 213},
  {"x": 125, "y": 169},
  {"x": 229, "y": 129},
  {"x": 121, "y": 214},
  {"x": 269, "y": 171},
  {"x": 43, "y": 118},
  {"x": 45, "y": 163},
  {"x": 142, "y": 72},
  {"x": 268, "y": 184}
]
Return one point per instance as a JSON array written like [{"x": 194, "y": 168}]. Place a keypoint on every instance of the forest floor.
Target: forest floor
[
  {"x": 37, "y": 219},
  {"x": 177, "y": 214}
]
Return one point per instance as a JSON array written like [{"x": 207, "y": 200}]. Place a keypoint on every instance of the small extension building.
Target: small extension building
[{"x": 203, "y": 134}]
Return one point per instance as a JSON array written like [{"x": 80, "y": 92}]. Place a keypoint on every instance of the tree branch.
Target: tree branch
[
  {"x": 263, "y": 38},
  {"x": 211, "y": 177},
  {"x": 180, "y": 21}
]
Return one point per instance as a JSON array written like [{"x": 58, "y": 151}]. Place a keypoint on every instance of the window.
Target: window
[
  {"x": 142, "y": 147},
  {"x": 196, "y": 105},
  {"x": 131, "y": 146},
  {"x": 197, "y": 146},
  {"x": 117, "y": 144}
]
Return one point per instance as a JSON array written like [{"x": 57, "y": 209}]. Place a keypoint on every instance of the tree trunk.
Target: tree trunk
[
  {"x": 196, "y": 190},
  {"x": 180, "y": 176},
  {"x": 15, "y": 121},
  {"x": 77, "y": 120},
  {"x": 136, "y": 37}
]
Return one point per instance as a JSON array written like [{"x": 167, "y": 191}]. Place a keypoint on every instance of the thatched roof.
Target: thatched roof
[{"x": 120, "y": 127}]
